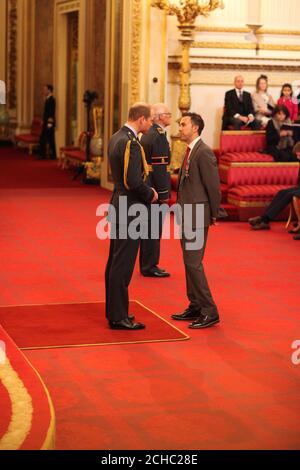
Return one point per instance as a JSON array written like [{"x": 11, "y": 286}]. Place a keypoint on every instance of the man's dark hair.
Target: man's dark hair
[
  {"x": 139, "y": 110},
  {"x": 50, "y": 87},
  {"x": 196, "y": 120},
  {"x": 281, "y": 108}
]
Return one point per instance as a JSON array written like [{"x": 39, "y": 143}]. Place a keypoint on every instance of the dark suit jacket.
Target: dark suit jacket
[
  {"x": 49, "y": 111},
  {"x": 233, "y": 106},
  {"x": 202, "y": 185},
  {"x": 139, "y": 191},
  {"x": 158, "y": 155}
]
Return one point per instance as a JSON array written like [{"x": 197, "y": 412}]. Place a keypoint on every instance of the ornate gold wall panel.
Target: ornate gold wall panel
[
  {"x": 12, "y": 54},
  {"x": 44, "y": 30},
  {"x": 135, "y": 50},
  {"x": 244, "y": 45},
  {"x": 221, "y": 29}
]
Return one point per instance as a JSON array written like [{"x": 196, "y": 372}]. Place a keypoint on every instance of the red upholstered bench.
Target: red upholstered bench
[
  {"x": 32, "y": 138},
  {"x": 246, "y": 173},
  {"x": 236, "y": 147},
  {"x": 252, "y": 188},
  {"x": 230, "y": 161},
  {"x": 251, "y": 200},
  {"x": 242, "y": 141}
]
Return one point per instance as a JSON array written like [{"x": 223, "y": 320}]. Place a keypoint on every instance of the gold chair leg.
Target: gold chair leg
[{"x": 290, "y": 217}]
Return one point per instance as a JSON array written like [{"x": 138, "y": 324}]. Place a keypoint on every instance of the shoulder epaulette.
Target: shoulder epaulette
[
  {"x": 131, "y": 137},
  {"x": 160, "y": 130}
]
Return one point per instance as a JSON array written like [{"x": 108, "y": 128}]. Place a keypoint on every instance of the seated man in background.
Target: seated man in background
[
  {"x": 282, "y": 199},
  {"x": 239, "y": 109}
]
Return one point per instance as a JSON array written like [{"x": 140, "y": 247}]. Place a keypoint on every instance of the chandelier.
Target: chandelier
[{"x": 188, "y": 10}]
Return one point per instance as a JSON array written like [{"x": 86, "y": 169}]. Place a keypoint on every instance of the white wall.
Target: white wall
[{"x": 222, "y": 51}]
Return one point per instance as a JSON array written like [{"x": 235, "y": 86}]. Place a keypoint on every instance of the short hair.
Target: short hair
[
  {"x": 281, "y": 108},
  {"x": 50, "y": 87},
  {"x": 139, "y": 110},
  {"x": 196, "y": 120},
  {"x": 261, "y": 77}
]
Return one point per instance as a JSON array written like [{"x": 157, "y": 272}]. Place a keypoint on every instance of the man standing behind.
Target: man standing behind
[
  {"x": 158, "y": 154},
  {"x": 198, "y": 184},
  {"x": 48, "y": 130},
  {"x": 129, "y": 170},
  {"x": 239, "y": 110}
]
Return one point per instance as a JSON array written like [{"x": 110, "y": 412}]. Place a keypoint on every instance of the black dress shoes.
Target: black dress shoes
[
  {"x": 126, "y": 324},
  {"x": 155, "y": 273},
  {"x": 296, "y": 237},
  {"x": 261, "y": 226},
  {"x": 204, "y": 321},
  {"x": 254, "y": 221},
  {"x": 188, "y": 314}
]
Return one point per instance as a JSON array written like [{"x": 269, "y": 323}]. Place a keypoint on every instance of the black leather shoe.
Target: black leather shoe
[
  {"x": 296, "y": 237},
  {"x": 155, "y": 273},
  {"x": 204, "y": 321},
  {"x": 254, "y": 221},
  {"x": 188, "y": 314},
  {"x": 157, "y": 268},
  {"x": 131, "y": 317},
  {"x": 126, "y": 324},
  {"x": 261, "y": 226}
]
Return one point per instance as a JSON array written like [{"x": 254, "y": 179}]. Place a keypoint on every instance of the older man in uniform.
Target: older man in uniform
[
  {"x": 129, "y": 170},
  {"x": 157, "y": 150}
]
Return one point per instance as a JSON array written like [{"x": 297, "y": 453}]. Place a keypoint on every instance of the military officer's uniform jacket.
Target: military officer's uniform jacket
[{"x": 157, "y": 151}]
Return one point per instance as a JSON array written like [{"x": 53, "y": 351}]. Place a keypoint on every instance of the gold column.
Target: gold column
[{"x": 187, "y": 12}]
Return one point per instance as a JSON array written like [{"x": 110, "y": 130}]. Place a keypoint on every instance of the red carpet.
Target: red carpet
[
  {"x": 230, "y": 386},
  {"x": 48, "y": 326},
  {"x": 27, "y": 419}
]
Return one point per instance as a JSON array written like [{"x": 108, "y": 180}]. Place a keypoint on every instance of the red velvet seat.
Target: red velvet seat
[
  {"x": 236, "y": 157},
  {"x": 242, "y": 141},
  {"x": 32, "y": 138},
  {"x": 73, "y": 154},
  {"x": 263, "y": 194},
  {"x": 251, "y": 200},
  {"x": 245, "y": 173}
]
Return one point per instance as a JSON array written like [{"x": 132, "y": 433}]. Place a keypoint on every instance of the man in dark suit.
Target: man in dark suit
[
  {"x": 239, "y": 109},
  {"x": 129, "y": 170},
  {"x": 157, "y": 151},
  {"x": 48, "y": 130},
  {"x": 199, "y": 187}
]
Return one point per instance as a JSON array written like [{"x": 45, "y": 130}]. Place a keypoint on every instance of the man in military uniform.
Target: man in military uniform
[
  {"x": 48, "y": 130},
  {"x": 158, "y": 154},
  {"x": 129, "y": 170}
]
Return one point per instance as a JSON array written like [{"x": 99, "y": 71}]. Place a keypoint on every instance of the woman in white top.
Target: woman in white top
[{"x": 263, "y": 102}]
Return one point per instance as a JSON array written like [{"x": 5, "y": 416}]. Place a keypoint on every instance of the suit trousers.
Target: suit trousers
[
  {"x": 282, "y": 199},
  {"x": 118, "y": 274},
  {"x": 47, "y": 137},
  {"x": 198, "y": 290},
  {"x": 237, "y": 124},
  {"x": 150, "y": 248}
]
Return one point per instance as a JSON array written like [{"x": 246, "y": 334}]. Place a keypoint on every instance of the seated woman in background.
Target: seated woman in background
[
  {"x": 280, "y": 141},
  {"x": 263, "y": 102},
  {"x": 286, "y": 99}
]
